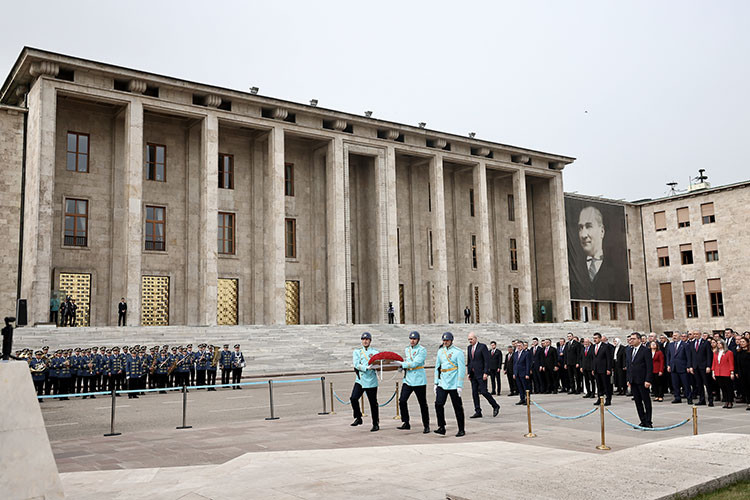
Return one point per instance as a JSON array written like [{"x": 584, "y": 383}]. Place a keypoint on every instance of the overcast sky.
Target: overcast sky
[{"x": 641, "y": 93}]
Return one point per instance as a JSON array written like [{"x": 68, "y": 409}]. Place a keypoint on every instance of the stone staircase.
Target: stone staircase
[{"x": 287, "y": 349}]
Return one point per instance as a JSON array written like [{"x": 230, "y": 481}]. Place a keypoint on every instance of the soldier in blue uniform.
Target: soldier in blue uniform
[
  {"x": 133, "y": 366},
  {"x": 86, "y": 371},
  {"x": 38, "y": 368},
  {"x": 117, "y": 366},
  {"x": 211, "y": 368},
  {"x": 53, "y": 382},
  {"x": 172, "y": 381},
  {"x": 163, "y": 361},
  {"x": 366, "y": 382},
  {"x": 182, "y": 368},
  {"x": 64, "y": 375},
  {"x": 201, "y": 363},
  {"x": 76, "y": 381},
  {"x": 238, "y": 363},
  {"x": 450, "y": 370},
  {"x": 226, "y": 364},
  {"x": 190, "y": 363},
  {"x": 415, "y": 380}
]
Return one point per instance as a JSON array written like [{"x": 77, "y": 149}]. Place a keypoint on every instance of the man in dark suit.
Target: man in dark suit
[
  {"x": 620, "y": 367},
  {"x": 640, "y": 373},
  {"x": 521, "y": 370},
  {"x": 680, "y": 366},
  {"x": 478, "y": 369},
  {"x": 602, "y": 369},
  {"x": 496, "y": 362},
  {"x": 729, "y": 340},
  {"x": 508, "y": 370},
  {"x": 536, "y": 364},
  {"x": 572, "y": 364},
  {"x": 586, "y": 363},
  {"x": 703, "y": 358},
  {"x": 549, "y": 367},
  {"x": 562, "y": 373}
]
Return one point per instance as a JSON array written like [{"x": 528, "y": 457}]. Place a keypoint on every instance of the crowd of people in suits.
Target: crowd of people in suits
[
  {"x": 87, "y": 370},
  {"x": 63, "y": 313}
]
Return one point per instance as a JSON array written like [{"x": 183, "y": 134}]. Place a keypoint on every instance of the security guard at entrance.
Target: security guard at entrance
[
  {"x": 367, "y": 382},
  {"x": 415, "y": 380},
  {"x": 450, "y": 370}
]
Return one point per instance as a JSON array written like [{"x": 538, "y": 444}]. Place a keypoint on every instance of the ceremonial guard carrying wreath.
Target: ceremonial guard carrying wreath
[
  {"x": 415, "y": 380},
  {"x": 367, "y": 382},
  {"x": 450, "y": 370}
]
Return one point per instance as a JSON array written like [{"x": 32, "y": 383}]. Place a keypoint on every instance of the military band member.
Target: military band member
[
  {"x": 201, "y": 363},
  {"x": 211, "y": 369},
  {"x": 106, "y": 367},
  {"x": 53, "y": 381},
  {"x": 226, "y": 364},
  {"x": 238, "y": 363},
  {"x": 163, "y": 362},
  {"x": 366, "y": 382},
  {"x": 415, "y": 380},
  {"x": 64, "y": 375},
  {"x": 133, "y": 365},
  {"x": 450, "y": 370},
  {"x": 190, "y": 363},
  {"x": 86, "y": 371},
  {"x": 76, "y": 381},
  {"x": 38, "y": 368},
  {"x": 117, "y": 366},
  {"x": 183, "y": 367},
  {"x": 172, "y": 382}
]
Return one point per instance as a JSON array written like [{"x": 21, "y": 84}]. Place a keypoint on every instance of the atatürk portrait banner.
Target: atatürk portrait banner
[{"x": 597, "y": 250}]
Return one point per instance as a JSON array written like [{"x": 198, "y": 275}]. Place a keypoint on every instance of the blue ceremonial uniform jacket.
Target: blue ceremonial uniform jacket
[
  {"x": 238, "y": 360},
  {"x": 210, "y": 358},
  {"x": 64, "y": 371},
  {"x": 183, "y": 363},
  {"x": 162, "y": 363},
  {"x": 413, "y": 365},
  {"x": 226, "y": 359},
  {"x": 202, "y": 359},
  {"x": 134, "y": 367},
  {"x": 367, "y": 377},
  {"x": 54, "y": 366},
  {"x": 450, "y": 368},
  {"x": 36, "y": 364}
]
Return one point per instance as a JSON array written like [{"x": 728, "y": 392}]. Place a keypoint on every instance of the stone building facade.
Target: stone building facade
[{"x": 202, "y": 205}]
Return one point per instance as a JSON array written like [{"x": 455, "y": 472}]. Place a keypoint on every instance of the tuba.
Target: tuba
[{"x": 215, "y": 361}]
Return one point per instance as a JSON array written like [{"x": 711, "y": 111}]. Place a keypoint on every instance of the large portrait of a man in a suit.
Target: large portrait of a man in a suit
[{"x": 597, "y": 250}]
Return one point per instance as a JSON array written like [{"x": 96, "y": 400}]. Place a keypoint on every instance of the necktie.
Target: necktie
[
  {"x": 596, "y": 351},
  {"x": 474, "y": 348},
  {"x": 592, "y": 269},
  {"x": 634, "y": 351},
  {"x": 697, "y": 343}
]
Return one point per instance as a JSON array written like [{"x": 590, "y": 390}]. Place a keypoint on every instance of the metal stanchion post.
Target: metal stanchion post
[
  {"x": 270, "y": 400},
  {"x": 398, "y": 416},
  {"x": 528, "y": 414},
  {"x": 602, "y": 446},
  {"x": 332, "y": 412},
  {"x": 695, "y": 420},
  {"x": 112, "y": 421},
  {"x": 184, "y": 410},
  {"x": 323, "y": 391}
]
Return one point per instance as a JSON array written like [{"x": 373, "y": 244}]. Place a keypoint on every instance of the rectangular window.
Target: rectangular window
[
  {"x": 686, "y": 253},
  {"x": 226, "y": 171},
  {"x": 613, "y": 311},
  {"x": 429, "y": 247},
  {"x": 663, "y": 254},
  {"x": 291, "y": 238},
  {"x": 595, "y": 311},
  {"x": 707, "y": 213},
  {"x": 717, "y": 301},
  {"x": 631, "y": 305},
  {"x": 473, "y": 251},
  {"x": 513, "y": 255},
  {"x": 398, "y": 244},
  {"x": 226, "y": 233},
  {"x": 712, "y": 250},
  {"x": 511, "y": 208},
  {"x": 155, "y": 228},
  {"x": 630, "y": 265},
  {"x": 429, "y": 197},
  {"x": 289, "y": 179},
  {"x": 77, "y": 152},
  {"x": 471, "y": 202},
  {"x": 691, "y": 301},
  {"x": 683, "y": 217},
  {"x": 667, "y": 306},
  {"x": 156, "y": 162},
  {"x": 575, "y": 310},
  {"x": 660, "y": 221},
  {"x": 76, "y": 223}
]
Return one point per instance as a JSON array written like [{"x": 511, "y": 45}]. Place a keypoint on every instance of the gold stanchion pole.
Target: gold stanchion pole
[
  {"x": 362, "y": 401},
  {"x": 695, "y": 420},
  {"x": 601, "y": 413},
  {"x": 398, "y": 416},
  {"x": 332, "y": 412},
  {"x": 528, "y": 415}
]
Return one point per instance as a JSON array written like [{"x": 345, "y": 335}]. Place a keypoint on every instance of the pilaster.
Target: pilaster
[
  {"x": 274, "y": 258},
  {"x": 484, "y": 263},
  {"x": 440, "y": 264},
  {"x": 559, "y": 249},
  {"x": 335, "y": 241},
  {"x": 209, "y": 174},
  {"x": 524, "y": 246}
]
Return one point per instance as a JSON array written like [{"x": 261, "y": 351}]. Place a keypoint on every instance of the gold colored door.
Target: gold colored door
[
  {"x": 155, "y": 300},
  {"x": 77, "y": 286},
  {"x": 292, "y": 302},
  {"x": 226, "y": 306}
]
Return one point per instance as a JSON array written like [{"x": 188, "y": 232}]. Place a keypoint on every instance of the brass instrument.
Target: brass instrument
[
  {"x": 39, "y": 368},
  {"x": 215, "y": 361},
  {"x": 152, "y": 368},
  {"x": 175, "y": 363}
]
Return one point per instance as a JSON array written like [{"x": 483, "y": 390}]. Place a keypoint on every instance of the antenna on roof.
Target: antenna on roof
[
  {"x": 672, "y": 190},
  {"x": 701, "y": 177}
]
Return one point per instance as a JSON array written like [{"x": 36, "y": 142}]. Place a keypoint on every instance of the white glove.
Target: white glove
[
  {"x": 434, "y": 387},
  {"x": 399, "y": 363},
  {"x": 459, "y": 391}
]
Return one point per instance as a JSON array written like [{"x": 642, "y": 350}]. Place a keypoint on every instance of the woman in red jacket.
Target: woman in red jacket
[
  {"x": 657, "y": 358},
  {"x": 723, "y": 372}
]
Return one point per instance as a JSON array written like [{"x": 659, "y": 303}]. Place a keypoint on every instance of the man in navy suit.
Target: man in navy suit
[
  {"x": 640, "y": 373},
  {"x": 680, "y": 366},
  {"x": 521, "y": 369},
  {"x": 703, "y": 358},
  {"x": 478, "y": 369},
  {"x": 602, "y": 369}
]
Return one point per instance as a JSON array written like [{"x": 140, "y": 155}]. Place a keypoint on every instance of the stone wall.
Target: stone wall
[{"x": 11, "y": 159}]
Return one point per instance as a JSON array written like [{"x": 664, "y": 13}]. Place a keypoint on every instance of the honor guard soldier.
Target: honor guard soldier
[
  {"x": 172, "y": 382},
  {"x": 64, "y": 374},
  {"x": 117, "y": 367},
  {"x": 211, "y": 368},
  {"x": 200, "y": 365},
  {"x": 450, "y": 370},
  {"x": 133, "y": 373},
  {"x": 106, "y": 366},
  {"x": 182, "y": 368},
  {"x": 415, "y": 380},
  {"x": 226, "y": 364},
  {"x": 163, "y": 361},
  {"x": 38, "y": 369},
  {"x": 367, "y": 382},
  {"x": 54, "y": 370},
  {"x": 190, "y": 363},
  {"x": 238, "y": 363},
  {"x": 86, "y": 370},
  {"x": 75, "y": 378}
]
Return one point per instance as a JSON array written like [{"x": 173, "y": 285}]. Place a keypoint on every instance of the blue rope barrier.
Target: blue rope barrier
[
  {"x": 296, "y": 380},
  {"x": 565, "y": 418},
  {"x": 132, "y": 391},
  {"x": 647, "y": 428},
  {"x": 342, "y": 402},
  {"x": 386, "y": 403},
  {"x": 74, "y": 395}
]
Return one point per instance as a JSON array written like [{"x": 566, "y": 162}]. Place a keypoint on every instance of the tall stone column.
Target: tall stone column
[
  {"x": 209, "y": 193},
  {"x": 38, "y": 206},
  {"x": 440, "y": 264},
  {"x": 274, "y": 260},
  {"x": 484, "y": 264},
  {"x": 559, "y": 249},
  {"x": 336, "y": 258},
  {"x": 524, "y": 246},
  {"x": 389, "y": 246}
]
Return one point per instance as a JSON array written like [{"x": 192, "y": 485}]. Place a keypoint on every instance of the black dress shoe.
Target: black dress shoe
[
  {"x": 710, "y": 403},
  {"x": 676, "y": 401},
  {"x": 460, "y": 433},
  {"x": 521, "y": 403},
  {"x": 404, "y": 427},
  {"x": 700, "y": 403},
  {"x": 690, "y": 401},
  {"x": 440, "y": 430},
  {"x": 375, "y": 428},
  {"x": 476, "y": 415},
  {"x": 426, "y": 430},
  {"x": 93, "y": 397},
  {"x": 495, "y": 411},
  {"x": 357, "y": 421},
  {"x": 608, "y": 403}
]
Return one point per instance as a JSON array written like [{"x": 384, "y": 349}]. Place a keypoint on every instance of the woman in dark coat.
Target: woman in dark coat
[
  {"x": 658, "y": 362},
  {"x": 742, "y": 369}
]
